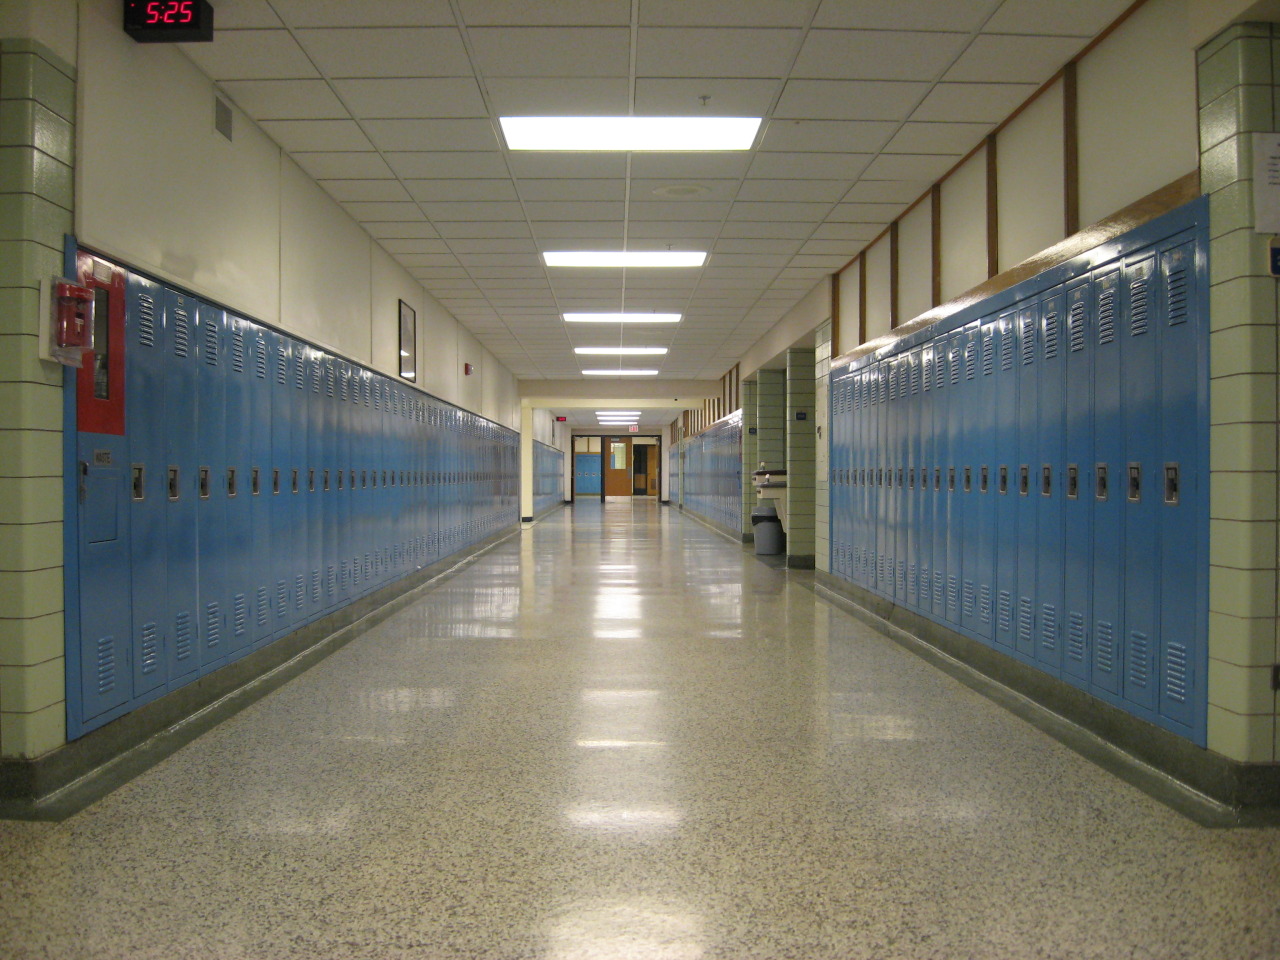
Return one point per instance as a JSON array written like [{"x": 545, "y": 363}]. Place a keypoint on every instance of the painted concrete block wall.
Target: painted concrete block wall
[
  {"x": 771, "y": 413},
  {"x": 37, "y": 136},
  {"x": 750, "y": 452},
  {"x": 1238, "y": 96},
  {"x": 822, "y": 449},
  {"x": 801, "y": 457}
]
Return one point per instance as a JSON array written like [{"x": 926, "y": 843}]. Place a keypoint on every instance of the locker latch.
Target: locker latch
[
  {"x": 275, "y": 480},
  {"x": 1003, "y": 488},
  {"x": 937, "y": 478},
  {"x": 983, "y": 479},
  {"x": 294, "y": 479},
  {"x": 899, "y": 477},
  {"x": 951, "y": 479},
  {"x": 1046, "y": 481},
  {"x": 326, "y": 481},
  {"x": 1100, "y": 481},
  {"x": 911, "y": 479},
  {"x": 1024, "y": 480},
  {"x": 255, "y": 481},
  {"x": 968, "y": 479},
  {"x": 139, "y": 482},
  {"x": 174, "y": 489},
  {"x": 1135, "y": 482},
  {"x": 204, "y": 483},
  {"x": 83, "y": 490},
  {"x": 1073, "y": 481},
  {"x": 232, "y": 487},
  {"x": 1171, "y": 484}
]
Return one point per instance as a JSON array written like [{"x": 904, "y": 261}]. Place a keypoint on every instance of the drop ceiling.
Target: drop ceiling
[{"x": 392, "y": 106}]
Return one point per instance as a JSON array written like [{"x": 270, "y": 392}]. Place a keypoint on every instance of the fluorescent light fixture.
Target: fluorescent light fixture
[
  {"x": 618, "y": 419},
  {"x": 624, "y": 258},
  {"x": 617, "y": 413},
  {"x": 619, "y": 373},
  {"x": 630, "y": 133},
  {"x": 621, "y": 351},
  {"x": 622, "y": 317}
]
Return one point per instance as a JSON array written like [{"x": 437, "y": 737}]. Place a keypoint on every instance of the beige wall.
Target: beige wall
[{"x": 1029, "y": 179}]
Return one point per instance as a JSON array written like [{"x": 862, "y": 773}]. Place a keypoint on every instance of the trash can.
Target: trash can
[{"x": 767, "y": 529}]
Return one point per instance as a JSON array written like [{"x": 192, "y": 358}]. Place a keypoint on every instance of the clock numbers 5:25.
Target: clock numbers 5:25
[{"x": 170, "y": 11}]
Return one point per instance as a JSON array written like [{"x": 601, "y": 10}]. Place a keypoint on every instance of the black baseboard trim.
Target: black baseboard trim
[
  {"x": 801, "y": 562},
  {"x": 68, "y": 779},
  {"x": 1205, "y": 786},
  {"x": 526, "y": 519}
]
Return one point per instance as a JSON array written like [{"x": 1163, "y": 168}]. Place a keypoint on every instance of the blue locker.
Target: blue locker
[
  {"x": 925, "y": 497},
  {"x": 145, "y": 428},
  {"x": 311, "y": 482},
  {"x": 327, "y": 485},
  {"x": 983, "y": 502},
  {"x": 1048, "y": 481},
  {"x": 1142, "y": 469},
  {"x": 180, "y": 484},
  {"x": 970, "y": 428},
  {"x": 938, "y": 485},
  {"x": 261, "y": 422},
  {"x": 1004, "y": 464},
  {"x": 586, "y": 474},
  {"x": 234, "y": 486},
  {"x": 952, "y": 481},
  {"x": 211, "y": 428},
  {"x": 1107, "y": 491},
  {"x": 1023, "y": 481},
  {"x": 1077, "y": 495},
  {"x": 1183, "y": 402}
]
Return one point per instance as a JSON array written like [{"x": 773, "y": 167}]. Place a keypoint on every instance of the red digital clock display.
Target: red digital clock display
[{"x": 168, "y": 21}]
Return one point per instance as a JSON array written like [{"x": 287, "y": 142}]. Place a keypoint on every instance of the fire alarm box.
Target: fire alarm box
[{"x": 69, "y": 325}]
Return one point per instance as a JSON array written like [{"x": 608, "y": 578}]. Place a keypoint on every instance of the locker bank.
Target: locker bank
[{"x": 313, "y": 592}]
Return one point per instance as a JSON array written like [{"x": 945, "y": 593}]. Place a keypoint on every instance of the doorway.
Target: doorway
[
  {"x": 644, "y": 467},
  {"x": 617, "y": 466}
]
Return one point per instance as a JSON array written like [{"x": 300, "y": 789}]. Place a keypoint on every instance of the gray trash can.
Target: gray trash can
[{"x": 767, "y": 529}]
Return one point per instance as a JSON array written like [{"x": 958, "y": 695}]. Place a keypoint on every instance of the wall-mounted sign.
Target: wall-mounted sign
[
  {"x": 802, "y": 415},
  {"x": 1266, "y": 182},
  {"x": 169, "y": 21}
]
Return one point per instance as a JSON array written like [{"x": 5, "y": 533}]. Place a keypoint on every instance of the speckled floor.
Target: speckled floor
[{"x": 619, "y": 736}]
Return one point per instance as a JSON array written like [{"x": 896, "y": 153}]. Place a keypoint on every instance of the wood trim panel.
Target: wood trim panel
[
  {"x": 993, "y": 208},
  {"x": 1070, "y": 151},
  {"x": 893, "y": 275},
  {"x": 935, "y": 241}
]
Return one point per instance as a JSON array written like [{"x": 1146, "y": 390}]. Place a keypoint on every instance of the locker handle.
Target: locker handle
[
  {"x": 231, "y": 482},
  {"x": 275, "y": 481},
  {"x": 1024, "y": 480},
  {"x": 1073, "y": 481},
  {"x": 1100, "y": 481},
  {"x": 353, "y": 480},
  {"x": 1046, "y": 481},
  {"x": 204, "y": 483},
  {"x": 311, "y": 480},
  {"x": 175, "y": 491},
  {"x": 911, "y": 479},
  {"x": 294, "y": 479},
  {"x": 899, "y": 476},
  {"x": 139, "y": 482},
  {"x": 326, "y": 481},
  {"x": 951, "y": 479},
  {"x": 255, "y": 482},
  {"x": 983, "y": 480},
  {"x": 1135, "y": 482},
  {"x": 83, "y": 492},
  {"x": 968, "y": 479},
  {"x": 364, "y": 480},
  {"x": 1171, "y": 485},
  {"x": 341, "y": 478},
  {"x": 1004, "y": 479}
]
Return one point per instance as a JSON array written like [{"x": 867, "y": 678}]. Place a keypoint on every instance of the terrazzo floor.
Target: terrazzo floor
[{"x": 619, "y": 736}]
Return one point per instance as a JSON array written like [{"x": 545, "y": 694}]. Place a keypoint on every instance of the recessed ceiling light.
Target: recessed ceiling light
[
  {"x": 619, "y": 373},
  {"x": 630, "y": 133},
  {"x": 622, "y": 317},
  {"x": 681, "y": 191},
  {"x": 622, "y": 351},
  {"x": 617, "y": 422},
  {"x": 617, "y": 413},
  {"x": 616, "y": 258}
]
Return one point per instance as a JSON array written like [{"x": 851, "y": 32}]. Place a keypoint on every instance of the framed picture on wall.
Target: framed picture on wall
[{"x": 408, "y": 342}]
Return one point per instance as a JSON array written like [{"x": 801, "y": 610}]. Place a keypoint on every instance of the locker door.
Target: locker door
[
  {"x": 938, "y": 482},
  {"x": 181, "y": 521},
  {"x": 1048, "y": 481},
  {"x": 103, "y": 478},
  {"x": 984, "y": 493},
  {"x": 312, "y": 482},
  {"x": 967, "y": 462},
  {"x": 1141, "y": 473},
  {"x": 277, "y": 484},
  {"x": 1077, "y": 495},
  {"x": 261, "y": 421},
  {"x": 1183, "y": 624},
  {"x": 1004, "y": 482},
  {"x": 952, "y": 480},
  {"x": 211, "y": 502},
  {"x": 1023, "y": 481},
  {"x": 234, "y": 485},
  {"x": 327, "y": 484},
  {"x": 924, "y": 478},
  {"x": 1107, "y": 483},
  {"x": 300, "y": 558},
  {"x": 911, "y": 492},
  {"x": 145, "y": 427}
]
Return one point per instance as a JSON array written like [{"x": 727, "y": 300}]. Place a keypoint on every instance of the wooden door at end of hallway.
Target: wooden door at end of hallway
[
  {"x": 617, "y": 466},
  {"x": 644, "y": 458}
]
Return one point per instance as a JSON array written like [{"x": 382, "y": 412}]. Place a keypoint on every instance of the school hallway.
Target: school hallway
[{"x": 616, "y": 734}]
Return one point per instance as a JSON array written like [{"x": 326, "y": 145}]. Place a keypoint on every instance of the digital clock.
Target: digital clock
[{"x": 168, "y": 21}]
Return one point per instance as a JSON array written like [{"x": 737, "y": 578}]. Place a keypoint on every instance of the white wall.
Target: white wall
[
  {"x": 239, "y": 222},
  {"x": 1029, "y": 180},
  {"x": 876, "y": 263},
  {"x": 964, "y": 227},
  {"x": 915, "y": 261}
]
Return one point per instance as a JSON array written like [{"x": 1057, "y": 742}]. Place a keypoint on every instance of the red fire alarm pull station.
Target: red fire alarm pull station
[
  {"x": 72, "y": 307},
  {"x": 466, "y": 369}
]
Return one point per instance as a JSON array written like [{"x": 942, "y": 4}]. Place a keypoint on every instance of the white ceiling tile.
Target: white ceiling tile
[
  {"x": 562, "y": 166},
  {"x": 683, "y": 96},
  {"x": 827, "y": 248},
  {"x": 473, "y": 210},
  {"x": 847, "y": 233},
  {"x": 365, "y": 165},
  {"x": 251, "y": 55},
  {"x": 689, "y": 166},
  {"x": 449, "y": 164},
  {"x": 508, "y": 273},
  {"x": 461, "y": 190},
  {"x": 756, "y": 229},
  {"x": 400, "y": 230},
  {"x": 498, "y": 259},
  {"x": 677, "y": 210},
  {"x": 558, "y": 96},
  {"x": 344, "y": 13},
  {"x": 973, "y": 102},
  {"x": 827, "y": 262},
  {"x": 404, "y": 212},
  {"x": 886, "y": 191},
  {"x": 827, "y": 136},
  {"x": 415, "y": 245},
  {"x": 877, "y": 54},
  {"x": 1081, "y": 18},
  {"x": 952, "y": 138},
  {"x": 849, "y": 99},
  {"x": 962, "y": 15},
  {"x": 1006, "y": 59},
  {"x": 387, "y": 52},
  {"x": 570, "y": 210},
  {"x": 808, "y": 166},
  {"x": 728, "y": 13},
  {"x": 566, "y": 232},
  {"x": 468, "y": 228},
  {"x": 748, "y": 260},
  {"x": 779, "y": 247},
  {"x": 503, "y": 245},
  {"x": 430, "y": 260},
  {"x": 419, "y": 97},
  {"x": 346, "y": 191},
  {"x": 866, "y": 212},
  {"x": 285, "y": 99},
  {"x": 246, "y": 14},
  {"x": 665, "y": 191},
  {"x": 807, "y": 191},
  {"x": 714, "y": 52},
  {"x": 672, "y": 230},
  {"x": 325, "y": 135},
  {"x": 580, "y": 190},
  {"x": 406, "y": 135},
  {"x": 803, "y": 212},
  {"x": 551, "y": 51},
  {"x": 513, "y": 13},
  {"x": 910, "y": 166}
]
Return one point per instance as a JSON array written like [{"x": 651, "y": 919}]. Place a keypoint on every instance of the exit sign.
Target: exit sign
[{"x": 634, "y": 428}]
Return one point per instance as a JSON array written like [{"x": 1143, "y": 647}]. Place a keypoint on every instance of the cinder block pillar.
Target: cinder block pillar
[
  {"x": 822, "y": 450},
  {"x": 37, "y": 136},
  {"x": 1239, "y": 96},
  {"x": 801, "y": 458},
  {"x": 750, "y": 453},
  {"x": 771, "y": 418}
]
